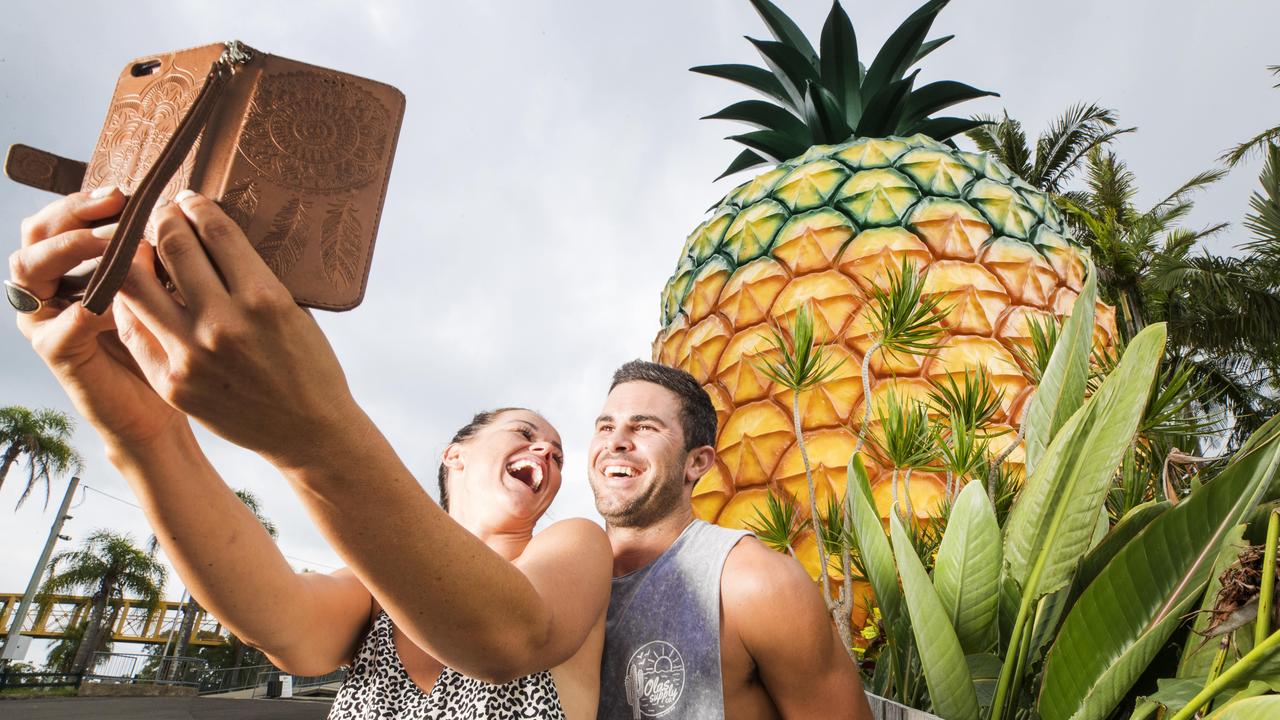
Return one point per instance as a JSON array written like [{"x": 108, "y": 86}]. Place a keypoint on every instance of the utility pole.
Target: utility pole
[{"x": 11, "y": 652}]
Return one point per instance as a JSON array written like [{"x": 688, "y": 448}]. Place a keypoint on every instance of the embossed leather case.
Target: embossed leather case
[{"x": 298, "y": 155}]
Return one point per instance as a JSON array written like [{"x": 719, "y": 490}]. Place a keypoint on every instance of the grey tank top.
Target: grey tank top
[{"x": 662, "y": 635}]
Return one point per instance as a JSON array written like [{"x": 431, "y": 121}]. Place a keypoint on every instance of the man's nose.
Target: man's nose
[{"x": 620, "y": 440}]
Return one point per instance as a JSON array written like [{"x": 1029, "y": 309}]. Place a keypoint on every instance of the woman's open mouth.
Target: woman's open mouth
[{"x": 528, "y": 472}]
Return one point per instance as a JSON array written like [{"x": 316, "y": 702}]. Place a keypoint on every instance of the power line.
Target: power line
[{"x": 139, "y": 507}]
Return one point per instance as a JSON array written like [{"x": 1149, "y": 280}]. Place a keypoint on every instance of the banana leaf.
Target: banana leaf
[
  {"x": 942, "y": 660},
  {"x": 1198, "y": 652},
  {"x": 966, "y": 572},
  {"x": 1129, "y": 611},
  {"x": 1061, "y": 389},
  {"x": 1266, "y": 707},
  {"x": 877, "y": 558},
  {"x": 1052, "y": 522}
]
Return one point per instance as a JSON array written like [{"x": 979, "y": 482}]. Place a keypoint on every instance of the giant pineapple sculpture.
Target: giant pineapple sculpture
[{"x": 863, "y": 178}]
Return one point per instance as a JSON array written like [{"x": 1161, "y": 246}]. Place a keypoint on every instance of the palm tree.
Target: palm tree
[
  {"x": 1259, "y": 142},
  {"x": 1059, "y": 150},
  {"x": 192, "y": 608},
  {"x": 111, "y": 567},
  {"x": 1221, "y": 310},
  {"x": 42, "y": 438}
]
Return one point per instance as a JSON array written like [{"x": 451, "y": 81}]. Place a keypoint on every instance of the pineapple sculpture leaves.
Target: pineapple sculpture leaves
[{"x": 861, "y": 180}]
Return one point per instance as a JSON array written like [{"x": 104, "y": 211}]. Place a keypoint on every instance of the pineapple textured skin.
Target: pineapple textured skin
[{"x": 824, "y": 228}]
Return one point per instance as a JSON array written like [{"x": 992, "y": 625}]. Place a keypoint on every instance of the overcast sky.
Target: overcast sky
[{"x": 551, "y": 165}]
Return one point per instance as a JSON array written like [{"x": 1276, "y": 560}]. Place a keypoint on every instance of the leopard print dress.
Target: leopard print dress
[{"x": 379, "y": 688}]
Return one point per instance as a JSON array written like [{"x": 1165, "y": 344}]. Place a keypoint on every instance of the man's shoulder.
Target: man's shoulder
[{"x": 753, "y": 573}]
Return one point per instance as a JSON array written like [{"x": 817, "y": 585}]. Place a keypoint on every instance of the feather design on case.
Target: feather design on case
[
  {"x": 340, "y": 244},
  {"x": 281, "y": 248},
  {"x": 240, "y": 203}
]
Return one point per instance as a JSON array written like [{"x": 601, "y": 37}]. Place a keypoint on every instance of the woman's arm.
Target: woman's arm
[
  {"x": 239, "y": 356},
  {"x": 218, "y": 546},
  {"x": 306, "y": 623}
]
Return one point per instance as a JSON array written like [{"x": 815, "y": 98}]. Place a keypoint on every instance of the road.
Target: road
[{"x": 157, "y": 708}]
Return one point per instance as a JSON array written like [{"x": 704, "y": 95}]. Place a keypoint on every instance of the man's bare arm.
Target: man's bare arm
[{"x": 783, "y": 623}]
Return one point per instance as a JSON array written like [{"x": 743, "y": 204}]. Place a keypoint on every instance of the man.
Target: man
[{"x": 703, "y": 621}]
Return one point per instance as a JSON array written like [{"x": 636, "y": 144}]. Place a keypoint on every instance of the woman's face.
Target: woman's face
[{"x": 510, "y": 469}]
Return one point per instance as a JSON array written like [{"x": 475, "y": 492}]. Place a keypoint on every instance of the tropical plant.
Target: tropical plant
[
  {"x": 1008, "y": 623},
  {"x": 109, "y": 567},
  {"x": 866, "y": 183},
  {"x": 1257, "y": 143},
  {"x": 1059, "y": 150},
  {"x": 1221, "y": 310},
  {"x": 42, "y": 439}
]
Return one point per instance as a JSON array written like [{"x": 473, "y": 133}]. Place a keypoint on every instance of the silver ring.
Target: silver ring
[{"x": 22, "y": 299}]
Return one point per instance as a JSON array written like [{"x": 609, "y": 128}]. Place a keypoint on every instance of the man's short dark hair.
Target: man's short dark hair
[
  {"x": 697, "y": 414},
  {"x": 480, "y": 421}
]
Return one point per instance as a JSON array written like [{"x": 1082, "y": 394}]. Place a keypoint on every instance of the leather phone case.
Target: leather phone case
[{"x": 298, "y": 155}]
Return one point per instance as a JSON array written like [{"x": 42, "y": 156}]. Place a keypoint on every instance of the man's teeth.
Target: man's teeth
[
  {"x": 518, "y": 465},
  {"x": 619, "y": 471}
]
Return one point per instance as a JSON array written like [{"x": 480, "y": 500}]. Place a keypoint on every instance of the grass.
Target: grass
[{"x": 16, "y": 692}]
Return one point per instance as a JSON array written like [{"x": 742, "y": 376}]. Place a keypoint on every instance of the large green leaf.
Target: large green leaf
[
  {"x": 1134, "y": 522},
  {"x": 746, "y": 159},
  {"x": 1052, "y": 522},
  {"x": 1197, "y": 654},
  {"x": 946, "y": 672},
  {"x": 1062, "y": 385},
  {"x": 900, "y": 50},
  {"x": 784, "y": 29},
  {"x": 841, "y": 73},
  {"x": 1141, "y": 595},
  {"x": 966, "y": 571},
  {"x": 873, "y": 545},
  {"x": 753, "y": 77},
  {"x": 771, "y": 144},
  {"x": 1266, "y": 707},
  {"x": 765, "y": 116},
  {"x": 788, "y": 66},
  {"x": 935, "y": 96}
]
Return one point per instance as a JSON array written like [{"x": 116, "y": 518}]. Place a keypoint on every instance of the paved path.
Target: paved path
[{"x": 197, "y": 708}]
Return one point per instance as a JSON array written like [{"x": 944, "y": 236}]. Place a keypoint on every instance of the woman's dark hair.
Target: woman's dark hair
[{"x": 479, "y": 422}]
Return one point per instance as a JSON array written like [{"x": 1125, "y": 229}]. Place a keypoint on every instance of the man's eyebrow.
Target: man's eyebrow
[
  {"x": 604, "y": 418},
  {"x": 533, "y": 427},
  {"x": 648, "y": 418}
]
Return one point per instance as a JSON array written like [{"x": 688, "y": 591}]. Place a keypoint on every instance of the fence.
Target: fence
[
  {"x": 11, "y": 680},
  {"x": 139, "y": 667},
  {"x": 302, "y": 685}
]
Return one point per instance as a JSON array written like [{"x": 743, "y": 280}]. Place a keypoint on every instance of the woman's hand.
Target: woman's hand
[
  {"x": 233, "y": 350},
  {"x": 82, "y": 349}
]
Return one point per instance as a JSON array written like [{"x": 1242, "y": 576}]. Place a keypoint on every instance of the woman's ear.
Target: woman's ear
[{"x": 452, "y": 457}]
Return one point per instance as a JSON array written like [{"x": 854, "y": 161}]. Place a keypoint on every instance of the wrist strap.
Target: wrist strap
[{"x": 111, "y": 272}]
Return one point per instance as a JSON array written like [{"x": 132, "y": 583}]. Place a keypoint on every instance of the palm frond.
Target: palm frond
[
  {"x": 902, "y": 318},
  {"x": 777, "y": 523}
]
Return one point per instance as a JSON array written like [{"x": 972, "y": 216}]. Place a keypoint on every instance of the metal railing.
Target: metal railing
[
  {"x": 302, "y": 685},
  {"x": 233, "y": 679},
  {"x": 143, "y": 668}
]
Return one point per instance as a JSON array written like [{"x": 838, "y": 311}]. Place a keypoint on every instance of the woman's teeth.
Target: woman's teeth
[{"x": 527, "y": 472}]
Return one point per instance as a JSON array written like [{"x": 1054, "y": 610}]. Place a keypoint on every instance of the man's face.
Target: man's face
[{"x": 638, "y": 462}]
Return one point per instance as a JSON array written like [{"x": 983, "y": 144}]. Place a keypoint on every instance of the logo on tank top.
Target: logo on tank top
[{"x": 655, "y": 680}]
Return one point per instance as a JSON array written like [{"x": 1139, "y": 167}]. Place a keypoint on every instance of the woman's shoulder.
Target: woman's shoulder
[{"x": 578, "y": 536}]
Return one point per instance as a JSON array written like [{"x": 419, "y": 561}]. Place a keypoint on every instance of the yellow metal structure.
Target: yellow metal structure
[{"x": 131, "y": 620}]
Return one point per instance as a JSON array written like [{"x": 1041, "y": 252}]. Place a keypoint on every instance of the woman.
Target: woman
[{"x": 470, "y": 593}]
